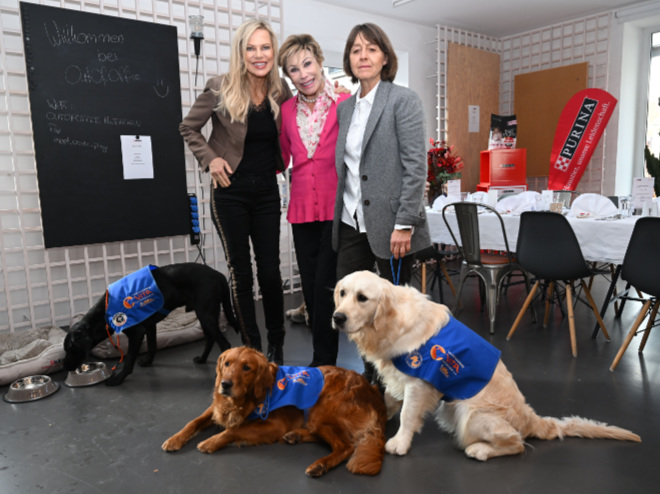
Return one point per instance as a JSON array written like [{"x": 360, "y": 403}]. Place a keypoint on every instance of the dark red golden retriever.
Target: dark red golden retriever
[{"x": 349, "y": 414}]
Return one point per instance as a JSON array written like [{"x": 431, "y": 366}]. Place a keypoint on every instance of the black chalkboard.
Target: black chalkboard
[{"x": 92, "y": 79}]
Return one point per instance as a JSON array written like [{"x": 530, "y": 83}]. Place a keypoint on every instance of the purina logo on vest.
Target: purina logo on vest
[{"x": 576, "y": 134}]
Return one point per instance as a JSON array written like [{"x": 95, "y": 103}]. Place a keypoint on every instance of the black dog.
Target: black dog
[{"x": 197, "y": 286}]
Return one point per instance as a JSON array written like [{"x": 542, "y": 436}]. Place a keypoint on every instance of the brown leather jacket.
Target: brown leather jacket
[{"x": 227, "y": 138}]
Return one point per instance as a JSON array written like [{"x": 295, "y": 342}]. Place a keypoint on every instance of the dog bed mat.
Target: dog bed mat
[
  {"x": 41, "y": 350},
  {"x": 30, "y": 352}
]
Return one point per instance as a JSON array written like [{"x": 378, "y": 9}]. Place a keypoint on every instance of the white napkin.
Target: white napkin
[
  {"x": 439, "y": 203},
  {"x": 479, "y": 196},
  {"x": 529, "y": 200},
  {"x": 592, "y": 206}
]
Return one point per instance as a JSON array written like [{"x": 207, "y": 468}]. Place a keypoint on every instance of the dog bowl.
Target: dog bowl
[
  {"x": 88, "y": 374},
  {"x": 30, "y": 389}
]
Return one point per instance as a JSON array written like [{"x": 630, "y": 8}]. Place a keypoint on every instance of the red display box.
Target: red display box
[{"x": 503, "y": 168}]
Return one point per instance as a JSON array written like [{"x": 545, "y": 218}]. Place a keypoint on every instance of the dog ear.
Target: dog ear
[
  {"x": 384, "y": 309},
  {"x": 264, "y": 379},
  {"x": 218, "y": 370},
  {"x": 335, "y": 295}
]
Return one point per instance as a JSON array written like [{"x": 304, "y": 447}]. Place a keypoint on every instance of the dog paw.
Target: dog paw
[
  {"x": 477, "y": 451},
  {"x": 207, "y": 446},
  {"x": 316, "y": 470},
  {"x": 171, "y": 445},
  {"x": 115, "y": 380},
  {"x": 291, "y": 438},
  {"x": 397, "y": 446}
]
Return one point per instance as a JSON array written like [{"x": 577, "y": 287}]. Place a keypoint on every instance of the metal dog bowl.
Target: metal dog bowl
[
  {"x": 30, "y": 389},
  {"x": 88, "y": 374}
]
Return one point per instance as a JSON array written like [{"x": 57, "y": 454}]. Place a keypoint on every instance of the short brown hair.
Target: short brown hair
[
  {"x": 295, "y": 43},
  {"x": 373, "y": 34}
]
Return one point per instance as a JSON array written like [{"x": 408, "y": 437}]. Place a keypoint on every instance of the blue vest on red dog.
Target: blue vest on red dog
[
  {"x": 133, "y": 299},
  {"x": 297, "y": 386},
  {"x": 456, "y": 361}
]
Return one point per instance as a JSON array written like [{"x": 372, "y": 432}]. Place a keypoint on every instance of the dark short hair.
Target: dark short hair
[{"x": 373, "y": 34}]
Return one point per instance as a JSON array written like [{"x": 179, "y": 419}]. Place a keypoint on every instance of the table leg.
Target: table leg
[{"x": 608, "y": 297}]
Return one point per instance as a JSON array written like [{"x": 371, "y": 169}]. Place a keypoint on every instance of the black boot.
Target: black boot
[{"x": 275, "y": 354}]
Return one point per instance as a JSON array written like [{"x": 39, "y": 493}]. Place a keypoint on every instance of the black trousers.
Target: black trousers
[
  {"x": 317, "y": 263},
  {"x": 355, "y": 255},
  {"x": 249, "y": 209}
]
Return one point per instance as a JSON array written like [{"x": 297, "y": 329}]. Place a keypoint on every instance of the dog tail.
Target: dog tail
[
  {"x": 367, "y": 459},
  {"x": 554, "y": 428}
]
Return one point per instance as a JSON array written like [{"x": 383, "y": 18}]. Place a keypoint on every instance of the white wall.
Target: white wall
[
  {"x": 413, "y": 43},
  {"x": 630, "y": 72}
]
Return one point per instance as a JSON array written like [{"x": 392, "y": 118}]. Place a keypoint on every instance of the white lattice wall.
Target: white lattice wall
[
  {"x": 42, "y": 287},
  {"x": 582, "y": 40},
  {"x": 446, "y": 35}
]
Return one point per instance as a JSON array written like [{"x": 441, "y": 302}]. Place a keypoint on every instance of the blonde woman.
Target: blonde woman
[
  {"x": 243, "y": 156},
  {"x": 309, "y": 138}
]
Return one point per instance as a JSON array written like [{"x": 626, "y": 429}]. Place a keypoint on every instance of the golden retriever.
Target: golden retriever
[
  {"x": 349, "y": 414},
  {"x": 387, "y": 321}
]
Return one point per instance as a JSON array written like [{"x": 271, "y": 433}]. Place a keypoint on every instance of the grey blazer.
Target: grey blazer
[{"x": 393, "y": 168}]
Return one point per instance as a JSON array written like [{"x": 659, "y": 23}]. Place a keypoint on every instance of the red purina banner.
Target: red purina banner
[{"x": 580, "y": 126}]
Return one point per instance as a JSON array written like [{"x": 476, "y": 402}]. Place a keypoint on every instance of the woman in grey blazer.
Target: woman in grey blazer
[{"x": 381, "y": 164}]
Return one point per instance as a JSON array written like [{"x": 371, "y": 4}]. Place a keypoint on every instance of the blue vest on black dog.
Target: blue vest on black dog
[
  {"x": 297, "y": 386},
  {"x": 133, "y": 299},
  {"x": 456, "y": 361}
]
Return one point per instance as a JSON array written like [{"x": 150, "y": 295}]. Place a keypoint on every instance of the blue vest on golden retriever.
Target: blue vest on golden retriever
[
  {"x": 456, "y": 361},
  {"x": 132, "y": 299},
  {"x": 297, "y": 386}
]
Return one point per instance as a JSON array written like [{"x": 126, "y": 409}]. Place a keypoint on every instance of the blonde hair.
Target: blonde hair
[
  {"x": 235, "y": 91},
  {"x": 296, "y": 43}
]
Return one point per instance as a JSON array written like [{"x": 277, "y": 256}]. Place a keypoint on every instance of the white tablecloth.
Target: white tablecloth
[{"x": 602, "y": 241}]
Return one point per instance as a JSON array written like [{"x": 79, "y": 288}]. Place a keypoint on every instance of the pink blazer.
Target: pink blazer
[{"x": 313, "y": 181}]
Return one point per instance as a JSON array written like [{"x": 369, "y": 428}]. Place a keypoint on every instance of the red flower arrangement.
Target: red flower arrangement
[{"x": 443, "y": 165}]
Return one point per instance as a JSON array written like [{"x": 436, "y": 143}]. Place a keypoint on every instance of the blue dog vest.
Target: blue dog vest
[
  {"x": 456, "y": 361},
  {"x": 297, "y": 386},
  {"x": 132, "y": 299}
]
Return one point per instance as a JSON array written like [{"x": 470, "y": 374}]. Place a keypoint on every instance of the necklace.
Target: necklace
[{"x": 306, "y": 99}]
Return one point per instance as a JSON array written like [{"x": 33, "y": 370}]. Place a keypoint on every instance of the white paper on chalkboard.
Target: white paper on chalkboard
[{"x": 137, "y": 157}]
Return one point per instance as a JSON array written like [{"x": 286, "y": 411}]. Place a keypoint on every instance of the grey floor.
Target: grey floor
[{"x": 107, "y": 440}]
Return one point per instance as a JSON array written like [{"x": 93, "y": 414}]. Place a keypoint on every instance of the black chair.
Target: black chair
[
  {"x": 641, "y": 268},
  {"x": 439, "y": 257},
  {"x": 549, "y": 250},
  {"x": 492, "y": 269}
]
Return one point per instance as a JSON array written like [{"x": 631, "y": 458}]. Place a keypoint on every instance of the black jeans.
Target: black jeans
[
  {"x": 355, "y": 255},
  {"x": 249, "y": 209},
  {"x": 317, "y": 263}
]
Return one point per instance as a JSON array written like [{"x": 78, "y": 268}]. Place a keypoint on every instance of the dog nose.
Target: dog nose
[
  {"x": 339, "y": 318},
  {"x": 226, "y": 385}
]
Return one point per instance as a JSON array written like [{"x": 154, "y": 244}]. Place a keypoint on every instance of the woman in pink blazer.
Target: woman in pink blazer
[{"x": 309, "y": 137}]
